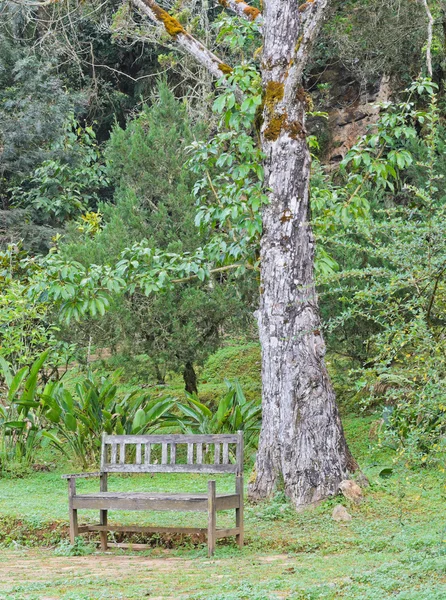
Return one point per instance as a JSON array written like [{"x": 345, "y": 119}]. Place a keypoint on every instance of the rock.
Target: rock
[
  {"x": 340, "y": 513},
  {"x": 353, "y": 118},
  {"x": 351, "y": 490}
]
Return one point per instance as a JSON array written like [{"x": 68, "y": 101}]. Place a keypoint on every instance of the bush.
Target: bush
[
  {"x": 96, "y": 407},
  {"x": 234, "y": 413}
]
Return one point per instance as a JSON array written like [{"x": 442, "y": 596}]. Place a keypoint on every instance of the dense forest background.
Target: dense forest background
[{"x": 107, "y": 133}]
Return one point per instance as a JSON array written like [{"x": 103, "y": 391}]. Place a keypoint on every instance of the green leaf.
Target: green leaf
[
  {"x": 139, "y": 420},
  {"x": 6, "y": 371},
  {"x": 16, "y": 382},
  {"x": 70, "y": 422},
  {"x": 219, "y": 104}
]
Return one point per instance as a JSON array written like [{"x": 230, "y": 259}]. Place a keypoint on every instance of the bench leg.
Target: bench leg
[
  {"x": 103, "y": 534},
  {"x": 212, "y": 517},
  {"x": 239, "y": 511},
  {"x": 74, "y": 530},
  {"x": 103, "y": 513}
]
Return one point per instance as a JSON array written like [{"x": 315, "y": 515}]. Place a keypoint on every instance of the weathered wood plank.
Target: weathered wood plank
[
  {"x": 217, "y": 453},
  {"x": 199, "y": 453},
  {"x": 178, "y": 468},
  {"x": 140, "y": 502},
  {"x": 179, "y": 438},
  {"x": 138, "y": 454},
  {"x": 142, "y": 529},
  {"x": 173, "y": 454},
  {"x": 212, "y": 517},
  {"x": 164, "y": 453},
  {"x": 122, "y": 453},
  {"x": 103, "y": 518},
  {"x": 74, "y": 529},
  {"x": 147, "y": 451},
  {"x": 239, "y": 511},
  {"x": 190, "y": 454},
  {"x": 81, "y": 475},
  {"x": 222, "y": 533},
  {"x": 225, "y": 454},
  {"x": 240, "y": 453},
  {"x": 227, "y": 502},
  {"x": 103, "y": 451},
  {"x": 219, "y": 533},
  {"x": 114, "y": 452}
]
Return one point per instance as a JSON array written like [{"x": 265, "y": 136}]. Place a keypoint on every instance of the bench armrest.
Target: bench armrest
[{"x": 83, "y": 475}]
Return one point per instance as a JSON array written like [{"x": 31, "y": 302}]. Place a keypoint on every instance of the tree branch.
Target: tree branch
[
  {"x": 184, "y": 39},
  {"x": 244, "y": 10},
  {"x": 312, "y": 14},
  {"x": 430, "y": 26}
]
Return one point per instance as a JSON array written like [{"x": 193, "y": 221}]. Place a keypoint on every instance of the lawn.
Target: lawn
[{"x": 394, "y": 547}]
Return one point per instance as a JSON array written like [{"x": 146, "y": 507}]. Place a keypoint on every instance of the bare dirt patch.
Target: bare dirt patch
[{"x": 43, "y": 565}]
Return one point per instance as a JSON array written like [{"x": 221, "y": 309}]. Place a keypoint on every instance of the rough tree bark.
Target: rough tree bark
[{"x": 302, "y": 442}]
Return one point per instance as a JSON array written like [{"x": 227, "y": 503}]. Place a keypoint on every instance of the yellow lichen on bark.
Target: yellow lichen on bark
[
  {"x": 251, "y": 12},
  {"x": 172, "y": 26},
  {"x": 305, "y": 5},
  {"x": 224, "y": 68},
  {"x": 274, "y": 127},
  {"x": 273, "y": 94},
  {"x": 275, "y": 121}
]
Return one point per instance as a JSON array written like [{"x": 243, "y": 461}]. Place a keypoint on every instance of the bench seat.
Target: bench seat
[{"x": 153, "y": 501}]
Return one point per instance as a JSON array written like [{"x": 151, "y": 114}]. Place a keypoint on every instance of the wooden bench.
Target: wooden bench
[{"x": 163, "y": 454}]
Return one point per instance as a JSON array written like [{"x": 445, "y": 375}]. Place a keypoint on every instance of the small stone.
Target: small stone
[
  {"x": 340, "y": 513},
  {"x": 351, "y": 490}
]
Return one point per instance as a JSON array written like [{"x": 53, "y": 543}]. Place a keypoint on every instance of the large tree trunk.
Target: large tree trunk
[{"x": 302, "y": 441}]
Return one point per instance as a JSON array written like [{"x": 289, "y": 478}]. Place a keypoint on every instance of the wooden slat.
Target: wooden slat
[
  {"x": 81, "y": 475},
  {"x": 178, "y": 468},
  {"x": 212, "y": 517},
  {"x": 240, "y": 453},
  {"x": 225, "y": 454},
  {"x": 138, "y": 454},
  {"x": 192, "y": 438},
  {"x": 128, "y": 501},
  {"x": 222, "y": 533},
  {"x": 129, "y": 546},
  {"x": 122, "y": 453},
  {"x": 103, "y": 452},
  {"x": 147, "y": 452},
  {"x": 227, "y": 502},
  {"x": 103, "y": 516},
  {"x": 239, "y": 511},
  {"x": 190, "y": 454},
  {"x": 138, "y": 529},
  {"x": 164, "y": 453},
  {"x": 173, "y": 453},
  {"x": 114, "y": 452},
  {"x": 199, "y": 453},
  {"x": 217, "y": 453}
]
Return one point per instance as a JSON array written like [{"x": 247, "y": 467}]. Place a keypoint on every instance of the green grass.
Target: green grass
[{"x": 394, "y": 547}]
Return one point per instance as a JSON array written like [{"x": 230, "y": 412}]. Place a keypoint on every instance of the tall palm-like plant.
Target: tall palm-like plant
[{"x": 234, "y": 413}]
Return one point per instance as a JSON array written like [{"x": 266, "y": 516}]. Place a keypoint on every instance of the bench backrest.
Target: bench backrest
[{"x": 172, "y": 453}]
